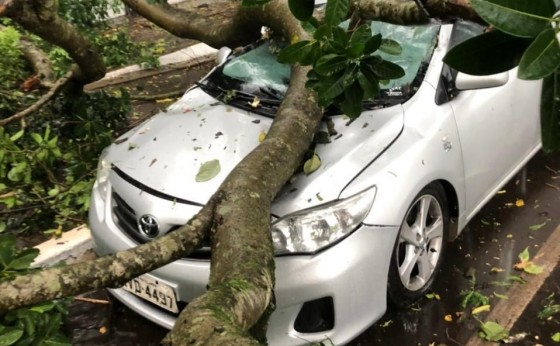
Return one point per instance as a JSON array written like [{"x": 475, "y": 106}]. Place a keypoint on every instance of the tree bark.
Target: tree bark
[
  {"x": 408, "y": 11},
  {"x": 231, "y": 26},
  {"x": 107, "y": 271}
]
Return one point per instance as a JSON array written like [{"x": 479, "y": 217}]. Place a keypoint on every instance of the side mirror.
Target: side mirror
[
  {"x": 465, "y": 81},
  {"x": 222, "y": 55}
]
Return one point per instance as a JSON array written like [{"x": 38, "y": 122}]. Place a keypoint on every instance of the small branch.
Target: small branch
[
  {"x": 91, "y": 300},
  {"x": 170, "y": 94},
  {"x": 41, "y": 102}
]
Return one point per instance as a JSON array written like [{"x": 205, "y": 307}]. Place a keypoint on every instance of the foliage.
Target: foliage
[
  {"x": 492, "y": 331},
  {"x": 346, "y": 70},
  {"x": 118, "y": 49},
  {"x": 472, "y": 298},
  {"x": 526, "y": 265},
  {"x": 47, "y": 168},
  {"x": 12, "y": 67},
  {"x": 87, "y": 13},
  {"x": 37, "y": 325},
  {"x": 526, "y": 36},
  {"x": 549, "y": 309}
]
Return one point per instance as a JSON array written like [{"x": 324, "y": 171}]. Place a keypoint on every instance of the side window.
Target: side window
[{"x": 462, "y": 30}]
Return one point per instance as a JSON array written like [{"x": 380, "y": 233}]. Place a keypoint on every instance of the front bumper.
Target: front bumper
[{"x": 351, "y": 275}]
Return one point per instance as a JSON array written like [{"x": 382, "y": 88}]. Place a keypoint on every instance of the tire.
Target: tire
[{"x": 419, "y": 247}]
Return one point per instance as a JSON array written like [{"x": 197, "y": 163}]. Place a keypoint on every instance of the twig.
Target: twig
[
  {"x": 552, "y": 170},
  {"x": 451, "y": 339},
  {"x": 37, "y": 105},
  {"x": 557, "y": 188},
  {"x": 8, "y": 195},
  {"x": 91, "y": 300},
  {"x": 170, "y": 94}
]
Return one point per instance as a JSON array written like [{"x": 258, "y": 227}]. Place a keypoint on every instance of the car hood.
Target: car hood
[{"x": 166, "y": 152}]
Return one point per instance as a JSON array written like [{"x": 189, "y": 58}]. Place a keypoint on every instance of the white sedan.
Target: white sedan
[{"x": 371, "y": 223}]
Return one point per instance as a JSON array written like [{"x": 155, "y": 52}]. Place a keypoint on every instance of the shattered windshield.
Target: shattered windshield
[{"x": 256, "y": 71}]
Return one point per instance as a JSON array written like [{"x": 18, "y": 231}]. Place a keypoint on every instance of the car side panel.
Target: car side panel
[
  {"x": 427, "y": 150},
  {"x": 499, "y": 129}
]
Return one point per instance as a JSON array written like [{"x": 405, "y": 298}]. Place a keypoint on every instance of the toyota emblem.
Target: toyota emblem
[{"x": 148, "y": 226}]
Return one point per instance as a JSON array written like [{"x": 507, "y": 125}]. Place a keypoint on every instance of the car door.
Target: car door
[{"x": 499, "y": 129}]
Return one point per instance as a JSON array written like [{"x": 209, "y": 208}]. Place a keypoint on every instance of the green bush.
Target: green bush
[{"x": 37, "y": 325}]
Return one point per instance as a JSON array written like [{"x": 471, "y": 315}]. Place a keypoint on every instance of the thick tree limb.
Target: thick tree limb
[
  {"x": 40, "y": 17},
  {"x": 55, "y": 88},
  {"x": 408, "y": 12},
  {"x": 242, "y": 267},
  {"x": 232, "y": 26},
  {"x": 107, "y": 271},
  {"x": 38, "y": 60}
]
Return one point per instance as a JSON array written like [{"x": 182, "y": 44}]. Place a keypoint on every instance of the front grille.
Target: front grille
[{"x": 125, "y": 218}]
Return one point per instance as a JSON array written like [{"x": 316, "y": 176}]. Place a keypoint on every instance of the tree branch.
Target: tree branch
[
  {"x": 40, "y": 17},
  {"x": 55, "y": 88},
  {"x": 229, "y": 26},
  {"x": 112, "y": 271},
  {"x": 408, "y": 12}
]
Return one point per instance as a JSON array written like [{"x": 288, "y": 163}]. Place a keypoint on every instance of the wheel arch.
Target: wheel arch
[{"x": 453, "y": 204}]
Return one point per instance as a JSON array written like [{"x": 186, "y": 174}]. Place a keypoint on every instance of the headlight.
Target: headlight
[
  {"x": 103, "y": 169},
  {"x": 310, "y": 230}
]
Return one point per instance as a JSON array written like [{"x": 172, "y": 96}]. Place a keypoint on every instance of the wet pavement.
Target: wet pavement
[{"x": 478, "y": 262}]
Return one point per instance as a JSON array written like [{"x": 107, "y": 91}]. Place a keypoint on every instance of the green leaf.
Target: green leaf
[
  {"x": 330, "y": 64},
  {"x": 294, "y": 52},
  {"x": 387, "y": 70},
  {"x": 331, "y": 88},
  {"x": 538, "y": 226},
  {"x": 489, "y": 53},
  {"x": 336, "y": 11},
  {"x": 24, "y": 259},
  {"x": 532, "y": 268},
  {"x": 358, "y": 41},
  {"x": 254, "y": 3},
  {"x": 501, "y": 296},
  {"x": 2, "y": 226},
  {"x": 340, "y": 39},
  {"x": 302, "y": 9},
  {"x": 373, "y": 44},
  {"x": 10, "y": 337},
  {"x": 17, "y": 136},
  {"x": 208, "y": 170},
  {"x": 492, "y": 331},
  {"x": 351, "y": 103},
  {"x": 7, "y": 249},
  {"x": 556, "y": 337},
  {"x": 369, "y": 84},
  {"x": 523, "y": 18},
  {"x": 524, "y": 255},
  {"x": 37, "y": 138},
  {"x": 541, "y": 58},
  {"x": 313, "y": 54},
  {"x": 324, "y": 31},
  {"x": 312, "y": 164},
  {"x": 550, "y": 113},
  {"x": 390, "y": 47}
]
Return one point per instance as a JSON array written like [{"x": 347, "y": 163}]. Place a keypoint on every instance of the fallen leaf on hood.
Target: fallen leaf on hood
[
  {"x": 312, "y": 164},
  {"x": 256, "y": 102},
  {"x": 262, "y": 136},
  {"x": 208, "y": 170},
  {"x": 519, "y": 203}
]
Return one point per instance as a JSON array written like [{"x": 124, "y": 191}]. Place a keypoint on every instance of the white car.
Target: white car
[{"x": 394, "y": 186}]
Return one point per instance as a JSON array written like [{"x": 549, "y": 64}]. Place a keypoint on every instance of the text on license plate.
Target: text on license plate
[{"x": 153, "y": 291}]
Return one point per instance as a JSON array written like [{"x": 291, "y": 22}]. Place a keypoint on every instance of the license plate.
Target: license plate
[{"x": 153, "y": 291}]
